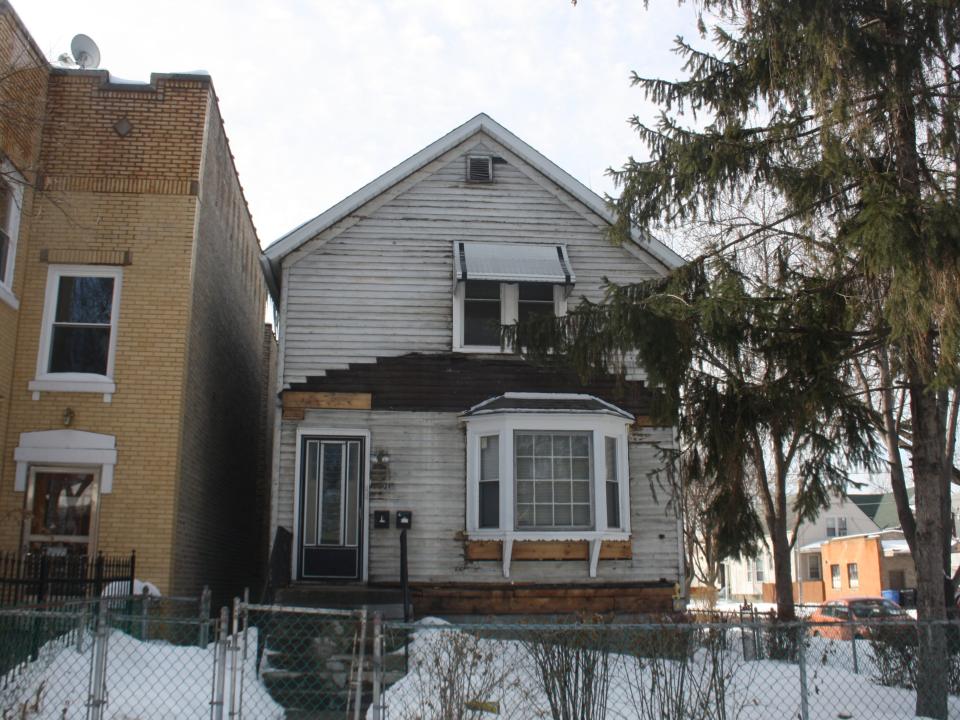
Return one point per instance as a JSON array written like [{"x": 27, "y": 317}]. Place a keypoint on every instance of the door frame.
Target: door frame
[{"x": 338, "y": 433}]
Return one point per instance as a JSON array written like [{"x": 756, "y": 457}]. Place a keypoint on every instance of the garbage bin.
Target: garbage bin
[
  {"x": 893, "y": 595},
  {"x": 908, "y": 598}
]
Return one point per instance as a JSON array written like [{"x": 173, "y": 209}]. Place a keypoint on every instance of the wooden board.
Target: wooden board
[
  {"x": 296, "y": 402},
  {"x": 547, "y": 550},
  {"x": 496, "y": 599}
]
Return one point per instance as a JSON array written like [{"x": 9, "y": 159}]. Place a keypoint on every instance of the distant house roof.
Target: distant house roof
[
  {"x": 879, "y": 507},
  {"x": 274, "y": 254}
]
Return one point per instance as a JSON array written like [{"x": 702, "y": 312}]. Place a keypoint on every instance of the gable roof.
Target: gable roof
[{"x": 274, "y": 254}]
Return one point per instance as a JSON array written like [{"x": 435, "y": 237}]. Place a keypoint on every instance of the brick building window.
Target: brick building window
[
  {"x": 78, "y": 336},
  {"x": 11, "y": 196},
  {"x": 853, "y": 575},
  {"x": 835, "y": 577}
]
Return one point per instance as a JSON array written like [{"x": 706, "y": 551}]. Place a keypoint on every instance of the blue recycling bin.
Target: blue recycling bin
[{"x": 893, "y": 595}]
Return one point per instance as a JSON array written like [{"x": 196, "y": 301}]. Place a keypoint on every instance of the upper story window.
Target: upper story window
[
  {"x": 11, "y": 195},
  {"x": 836, "y": 526},
  {"x": 79, "y": 332},
  {"x": 500, "y": 283}
]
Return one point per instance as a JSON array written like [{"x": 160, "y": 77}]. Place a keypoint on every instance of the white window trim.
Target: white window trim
[
  {"x": 68, "y": 448},
  {"x": 504, "y": 425},
  {"x": 76, "y": 382},
  {"x": 509, "y": 313},
  {"x": 14, "y": 180}
]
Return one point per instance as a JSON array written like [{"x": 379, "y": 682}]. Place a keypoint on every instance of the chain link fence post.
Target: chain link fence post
[
  {"x": 204, "y": 618},
  {"x": 234, "y": 656},
  {"x": 802, "y": 663},
  {"x": 377, "y": 665},
  {"x": 853, "y": 643},
  {"x": 98, "y": 671},
  {"x": 221, "y": 664}
]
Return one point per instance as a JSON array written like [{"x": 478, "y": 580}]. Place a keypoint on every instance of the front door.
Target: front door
[
  {"x": 61, "y": 511},
  {"x": 331, "y": 509}
]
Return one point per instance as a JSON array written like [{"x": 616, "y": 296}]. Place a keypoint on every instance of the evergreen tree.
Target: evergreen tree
[{"x": 847, "y": 111}]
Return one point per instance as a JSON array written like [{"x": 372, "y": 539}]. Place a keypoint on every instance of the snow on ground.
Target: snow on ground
[
  {"x": 449, "y": 666},
  {"x": 145, "y": 681}
]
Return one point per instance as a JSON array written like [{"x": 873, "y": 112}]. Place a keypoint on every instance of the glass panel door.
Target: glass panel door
[
  {"x": 61, "y": 507},
  {"x": 331, "y": 508}
]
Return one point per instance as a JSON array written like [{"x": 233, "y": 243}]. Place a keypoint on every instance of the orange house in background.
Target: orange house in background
[{"x": 858, "y": 565}]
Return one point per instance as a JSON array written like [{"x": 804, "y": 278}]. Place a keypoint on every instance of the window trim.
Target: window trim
[
  {"x": 505, "y": 425},
  {"x": 509, "y": 313},
  {"x": 14, "y": 182},
  {"x": 76, "y": 382}
]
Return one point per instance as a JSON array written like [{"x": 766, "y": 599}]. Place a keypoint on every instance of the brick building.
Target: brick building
[{"x": 132, "y": 375}]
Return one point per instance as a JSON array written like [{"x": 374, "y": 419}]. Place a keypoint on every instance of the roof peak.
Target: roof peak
[{"x": 274, "y": 254}]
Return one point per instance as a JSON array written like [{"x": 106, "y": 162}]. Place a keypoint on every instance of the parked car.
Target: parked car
[{"x": 840, "y": 619}]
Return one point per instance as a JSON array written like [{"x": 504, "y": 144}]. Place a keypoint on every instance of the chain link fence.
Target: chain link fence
[{"x": 143, "y": 658}]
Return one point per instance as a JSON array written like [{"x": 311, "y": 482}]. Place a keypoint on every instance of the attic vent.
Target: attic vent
[{"x": 479, "y": 168}]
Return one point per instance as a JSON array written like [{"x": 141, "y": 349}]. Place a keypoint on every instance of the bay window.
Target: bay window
[{"x": 547, "y": 467}]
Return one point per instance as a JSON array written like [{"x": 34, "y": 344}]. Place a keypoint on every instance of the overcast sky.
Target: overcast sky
[{"x": 320, "y": 97}]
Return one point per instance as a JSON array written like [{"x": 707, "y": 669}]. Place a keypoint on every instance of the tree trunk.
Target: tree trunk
[
  {"x": 891, "y": 439},
  {"x": 783, "y": 575},
  {"x": 930, "y": 499}
]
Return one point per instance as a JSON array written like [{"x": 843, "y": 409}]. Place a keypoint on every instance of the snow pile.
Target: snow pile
[
  {"x": 145, "y": 681},
  {"x": 453, "y": 673}
]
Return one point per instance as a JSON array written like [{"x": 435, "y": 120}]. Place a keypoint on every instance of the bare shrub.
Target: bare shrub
[
  {"x": 571, "y": 666},
  {"x": 453, "y": 673},
  {"x": 666, "y": 684}
]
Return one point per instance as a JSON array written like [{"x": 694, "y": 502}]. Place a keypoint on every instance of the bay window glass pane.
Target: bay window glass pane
[
  {"x": 524, "y": 468},
  {"x": 613, "y": 505},
  {"x": 481, "y": 313},
  {"x": 612, "y": 484},
  {"x": 490, "y": 504},
  {"x": 524, "y": 492},
  {"x": 489, "y": 482},
  {"x": 553, "y": 482},
  {"x": 490, "y": 457},
  {"x": 581, "y": 492}
]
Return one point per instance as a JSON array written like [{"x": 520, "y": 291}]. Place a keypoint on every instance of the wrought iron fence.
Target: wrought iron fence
[
  {"x": 38, "y": 578},
  {"x": 161, "y": 658}
]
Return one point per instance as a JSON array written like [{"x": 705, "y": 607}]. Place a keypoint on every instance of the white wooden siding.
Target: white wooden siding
[
  {"x": 427, "y": 476},
  {"x": 383, "y": 286}
]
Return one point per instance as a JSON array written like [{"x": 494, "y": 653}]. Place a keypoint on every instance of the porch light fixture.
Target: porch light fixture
[{"x": 381, "y": 457}]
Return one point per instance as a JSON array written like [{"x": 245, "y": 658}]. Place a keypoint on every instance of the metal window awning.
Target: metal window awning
[{"x": 513, "y": 262}]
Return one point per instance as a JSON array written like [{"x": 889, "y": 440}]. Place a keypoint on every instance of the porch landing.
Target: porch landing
[{"x": 385, "y": 600}]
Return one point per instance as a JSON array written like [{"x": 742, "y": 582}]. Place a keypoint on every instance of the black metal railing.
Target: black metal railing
[{"x": 36, "y": 578}]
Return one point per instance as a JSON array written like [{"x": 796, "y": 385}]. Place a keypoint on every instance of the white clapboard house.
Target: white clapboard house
[{"x": 521, "y": 489}]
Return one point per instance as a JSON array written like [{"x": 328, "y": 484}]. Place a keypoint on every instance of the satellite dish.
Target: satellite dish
[{"x": 85, "y": 52}]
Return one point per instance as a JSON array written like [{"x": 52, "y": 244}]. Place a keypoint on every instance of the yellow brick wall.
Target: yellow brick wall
[
  {"x": 102, "y": 202},
  {"x": 23, "y": 89}
]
